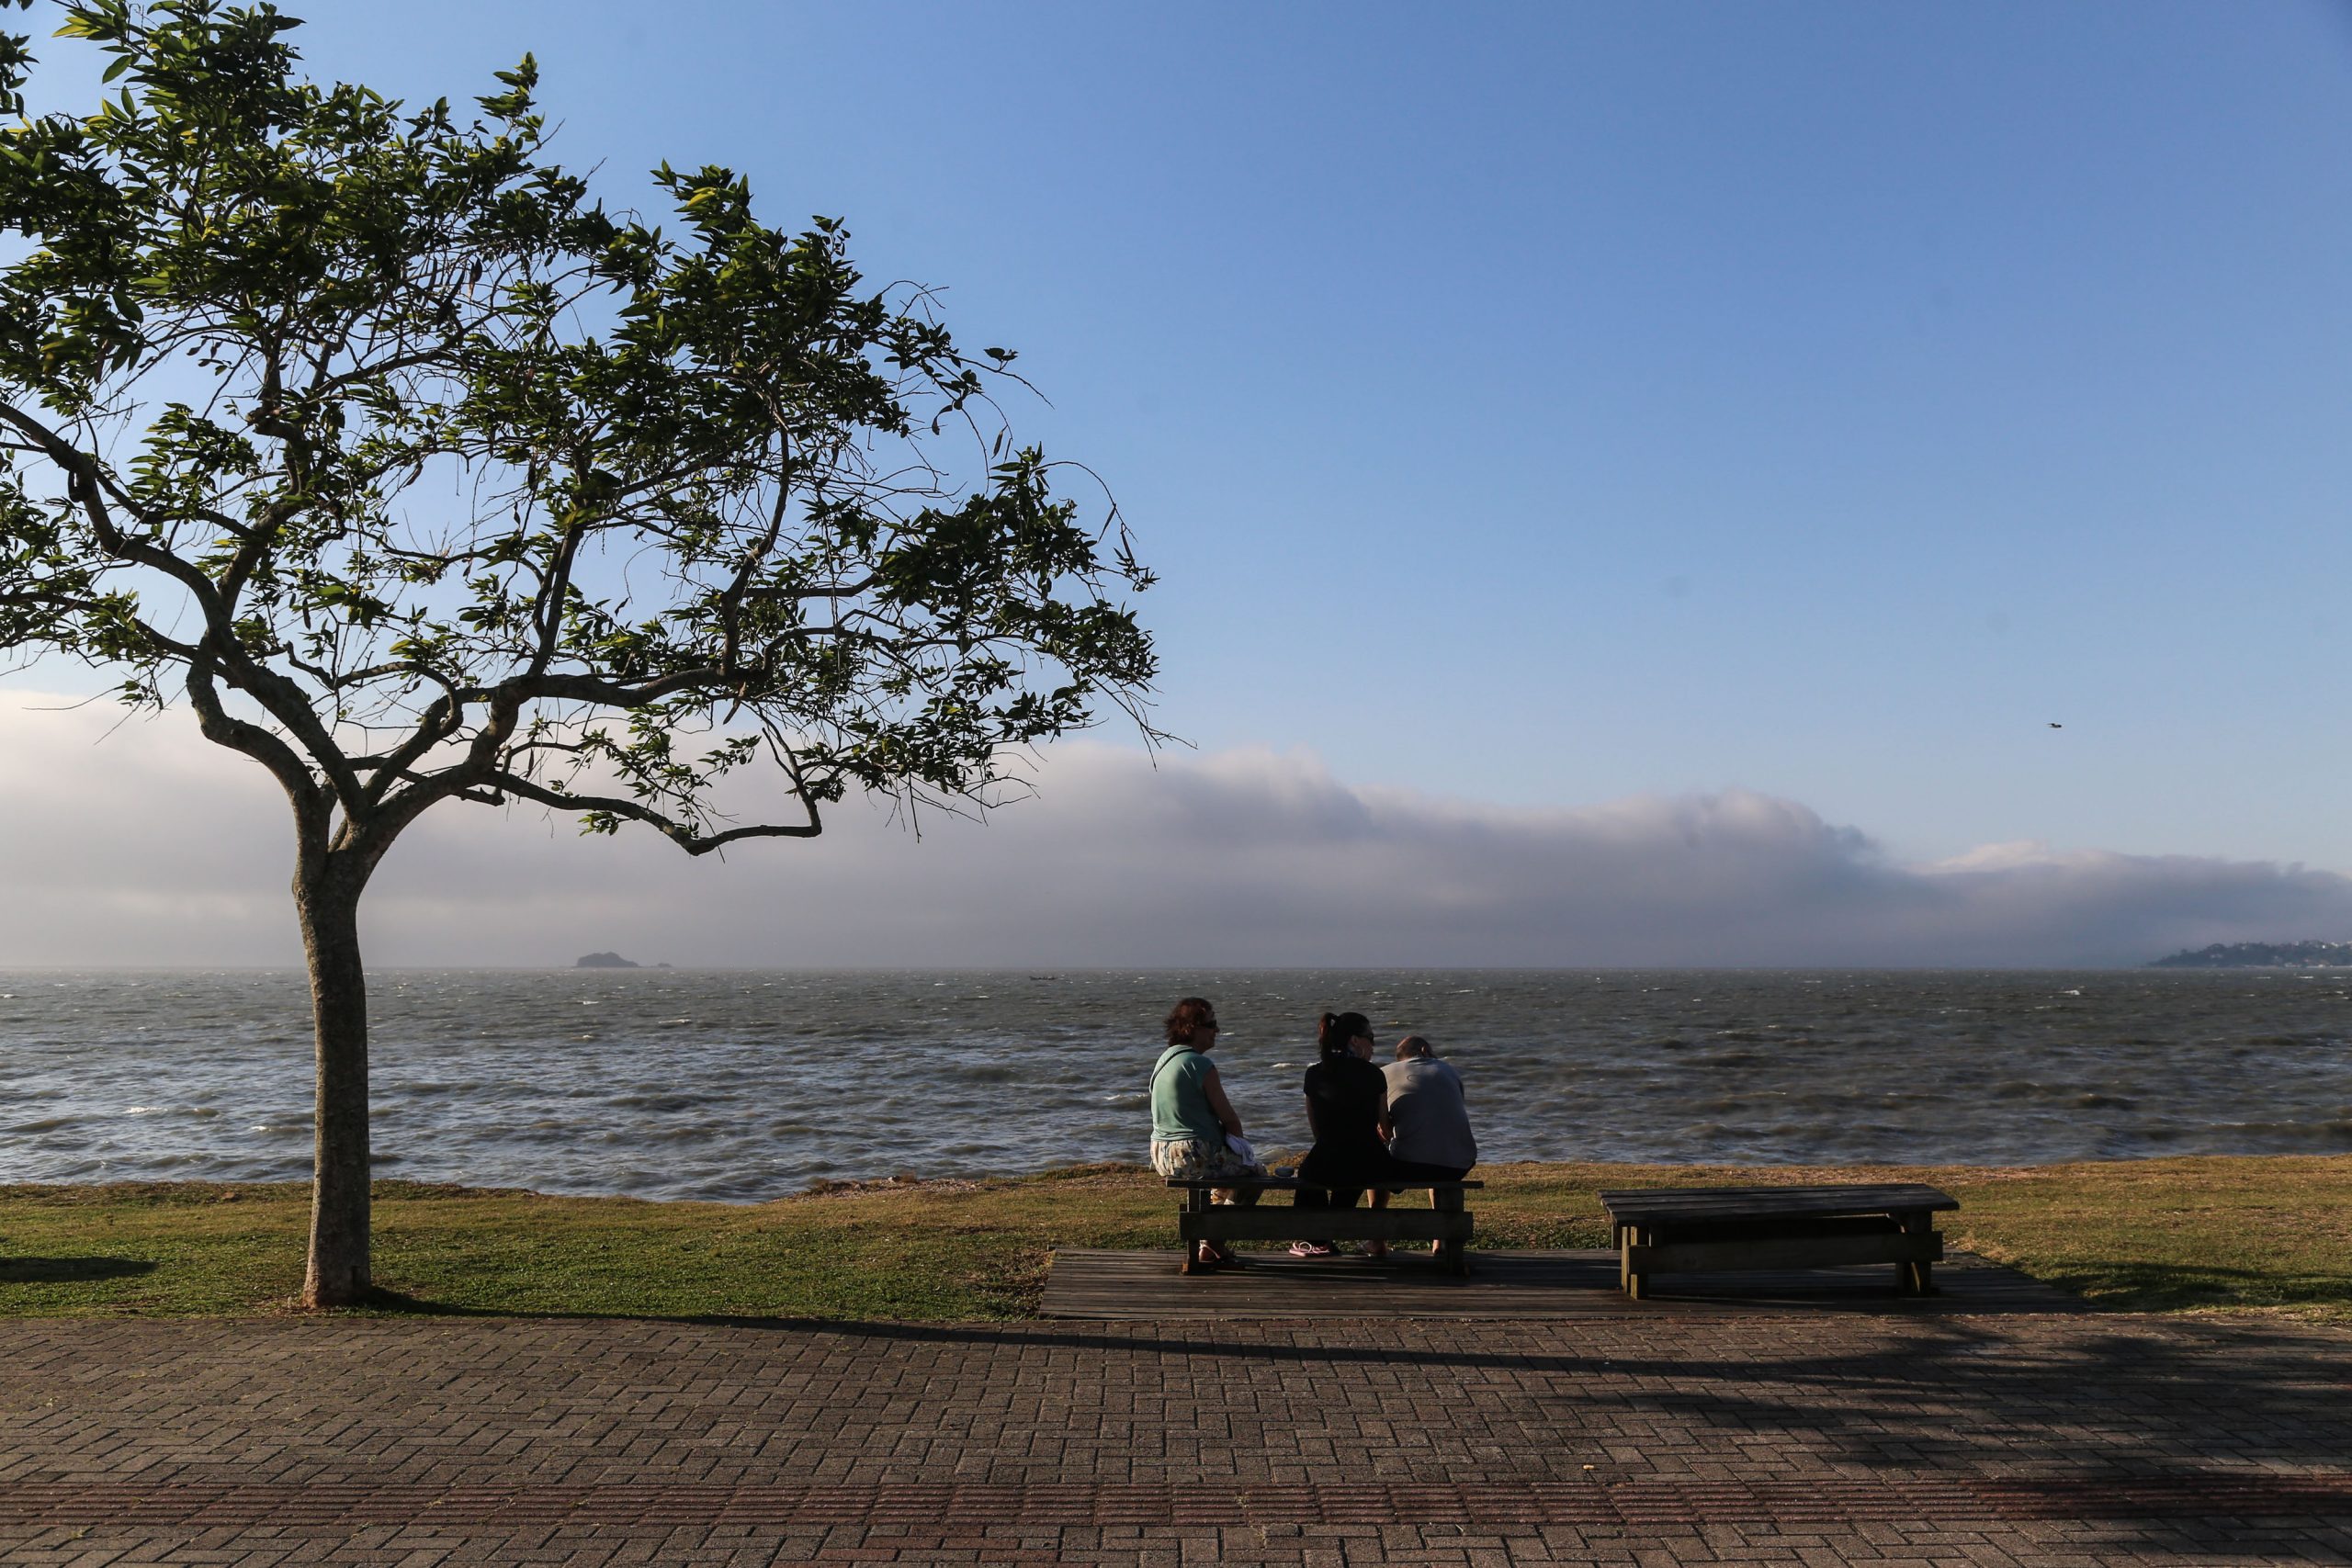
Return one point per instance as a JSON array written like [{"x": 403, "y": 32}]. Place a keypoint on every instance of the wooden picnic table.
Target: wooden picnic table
[
  {"x": 1706, "y": 1230},
  {"x": 1445, "y": 1221}
]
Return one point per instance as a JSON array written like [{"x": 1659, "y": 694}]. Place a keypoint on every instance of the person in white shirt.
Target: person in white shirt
[{"x": 1428, "y": 1115}]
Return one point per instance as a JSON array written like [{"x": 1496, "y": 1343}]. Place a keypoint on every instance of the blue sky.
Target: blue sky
[{"x": 1545, "y": 405}]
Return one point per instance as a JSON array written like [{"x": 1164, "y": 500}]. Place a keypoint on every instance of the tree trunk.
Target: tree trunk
[{"x": 328, "y": 902}]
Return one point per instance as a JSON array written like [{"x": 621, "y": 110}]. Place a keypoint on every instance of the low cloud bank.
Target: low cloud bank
[{"x": 149, "y": 846}]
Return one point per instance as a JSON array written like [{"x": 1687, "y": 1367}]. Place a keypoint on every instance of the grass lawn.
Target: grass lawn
[{"x": 2166, "y": 1235}]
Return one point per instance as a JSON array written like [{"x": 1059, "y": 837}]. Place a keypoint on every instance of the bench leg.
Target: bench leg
[
  {"x": 1452, "y": 1255},
  {"x": 1916, "y": 1279},
  {"x": 1629, "y": 1237},
  {"x": 1196, "y": 1201}
]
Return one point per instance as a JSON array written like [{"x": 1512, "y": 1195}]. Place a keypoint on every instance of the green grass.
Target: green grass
[{"x": 2164, "y": 1236}]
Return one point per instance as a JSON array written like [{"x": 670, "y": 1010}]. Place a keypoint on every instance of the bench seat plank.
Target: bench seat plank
[
  {"x": 1446, "y": 1221},
  {"x": 1349, "y": 1225},
  {"x": 1667, "y": 1204},
  {"x": 1784, "y": 1252},
  {"x": 1292, "y": 1184}
]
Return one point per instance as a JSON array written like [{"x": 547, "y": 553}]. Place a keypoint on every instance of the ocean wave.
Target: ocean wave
[
  {"x": 483, "y": 1075},
  {"x": 669, "y": 1103}
]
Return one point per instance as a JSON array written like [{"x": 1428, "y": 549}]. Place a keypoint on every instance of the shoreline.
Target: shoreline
[{"x": 1797, "y": 1173}]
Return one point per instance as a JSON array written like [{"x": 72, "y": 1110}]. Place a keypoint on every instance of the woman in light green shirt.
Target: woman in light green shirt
[{"x": 1191, "y": 1120}]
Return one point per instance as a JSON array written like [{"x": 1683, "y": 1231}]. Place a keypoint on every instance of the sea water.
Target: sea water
[{"x": 744, "y": 1084}]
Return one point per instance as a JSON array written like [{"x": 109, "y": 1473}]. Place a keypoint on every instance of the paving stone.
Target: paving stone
[{"x": 1784, "y": 1438}]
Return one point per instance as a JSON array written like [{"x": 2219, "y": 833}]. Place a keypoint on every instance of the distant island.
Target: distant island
[
  {"x": 606, "y": 960},
  {"x": 2261, "y": 956}
]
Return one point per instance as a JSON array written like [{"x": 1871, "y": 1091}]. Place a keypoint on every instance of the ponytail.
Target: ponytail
[{"x": 1334, "y": 1030}]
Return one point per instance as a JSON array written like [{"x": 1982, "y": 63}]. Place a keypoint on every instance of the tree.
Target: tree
[{"x": 421, "y": 476}]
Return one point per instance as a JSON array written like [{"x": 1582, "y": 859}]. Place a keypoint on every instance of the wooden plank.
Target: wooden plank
[
  {"x": 1292, "y": 1184},
  {"x": 1787, "y": 1252},
  {"x": 1666, "y": 1204},
  {"x": 1773, "y": 1227},
  {"x": 1872, "y": 1194},
  {"x": 1870, "y": 1191},
  {"x": 1836, "y": 1188},
  {"x": 1351, "y": 1224}
]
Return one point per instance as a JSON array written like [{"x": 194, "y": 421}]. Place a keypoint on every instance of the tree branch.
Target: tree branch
[
  {"x": 498, "y": 784},
  {"x": 285, "y": 702},
  {"x": 311, "y": 809}
]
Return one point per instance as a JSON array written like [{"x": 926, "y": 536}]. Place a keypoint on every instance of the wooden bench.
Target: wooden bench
[
  {"x": 1706, "y": 1230},
  {"x": 1445, "y": 1221}
]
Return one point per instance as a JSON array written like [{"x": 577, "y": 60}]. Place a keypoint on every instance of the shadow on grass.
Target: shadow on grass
[
  {"x": 67, "y": 1271},
  {"x": 2159, "y": 1287}
]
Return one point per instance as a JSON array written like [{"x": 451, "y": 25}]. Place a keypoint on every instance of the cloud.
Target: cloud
[{"x": 146, "y": 845}]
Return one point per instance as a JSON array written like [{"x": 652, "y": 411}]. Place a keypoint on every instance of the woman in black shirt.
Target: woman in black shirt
[{"x": 1347, "y": 1109}]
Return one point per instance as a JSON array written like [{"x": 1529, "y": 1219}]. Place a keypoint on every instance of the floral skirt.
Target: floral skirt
[{"x": 1197, "y": 1159}]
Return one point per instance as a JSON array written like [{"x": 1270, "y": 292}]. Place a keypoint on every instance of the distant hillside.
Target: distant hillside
[
  {"x": 2261, "y": 955},
  {"x": 606, "y": 961}
]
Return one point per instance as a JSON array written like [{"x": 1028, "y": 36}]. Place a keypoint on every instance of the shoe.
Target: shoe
[{"x": 1309, "y": 1249}]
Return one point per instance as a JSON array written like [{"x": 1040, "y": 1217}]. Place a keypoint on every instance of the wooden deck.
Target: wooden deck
[{"x": 1506, "y": 1285}]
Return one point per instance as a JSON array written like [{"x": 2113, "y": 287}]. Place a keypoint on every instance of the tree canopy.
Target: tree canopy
[{"x": 419, "y": 474}]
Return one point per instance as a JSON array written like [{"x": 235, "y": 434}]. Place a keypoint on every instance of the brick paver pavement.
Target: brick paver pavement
[{"x": 1788, "y": 1440}]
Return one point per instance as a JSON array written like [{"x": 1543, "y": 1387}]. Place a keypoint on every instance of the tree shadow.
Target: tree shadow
[
  {"x": 2149, "y": 1429},
  {"x": 70, "y": 1270},
  {"x": 2200, "y": 1438},
  {"x": 402, "y": 1303},
  {"x": 2145, "y": 1287}
]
